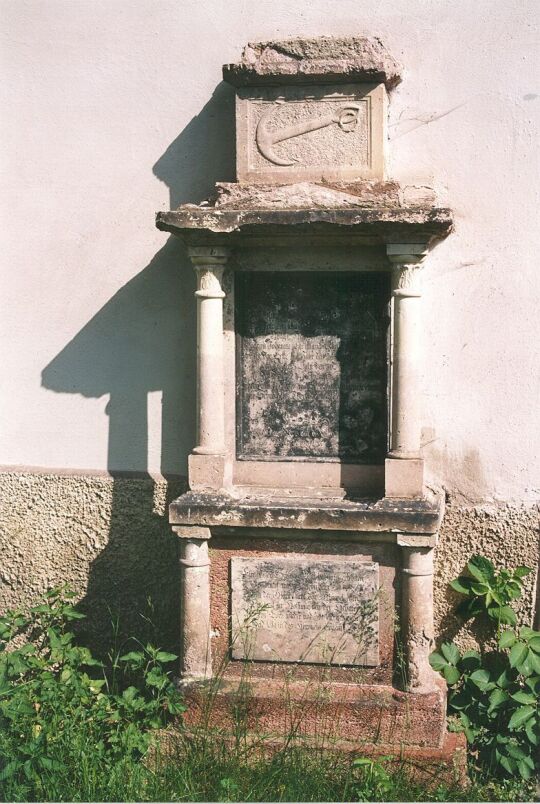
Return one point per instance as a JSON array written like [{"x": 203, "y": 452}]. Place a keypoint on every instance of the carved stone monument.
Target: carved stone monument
[{"x": 308, "y": 533}]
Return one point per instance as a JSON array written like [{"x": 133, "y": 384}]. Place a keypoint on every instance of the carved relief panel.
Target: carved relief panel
[{"x": 297, "y": 133}]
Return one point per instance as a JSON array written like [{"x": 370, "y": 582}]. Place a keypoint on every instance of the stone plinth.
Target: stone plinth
[
  {"x": 363, "y": 706},
  {"x": 362, "y": 717},
  {"x": 369, "y": 551},
  {"x": 408, "y": 730}
]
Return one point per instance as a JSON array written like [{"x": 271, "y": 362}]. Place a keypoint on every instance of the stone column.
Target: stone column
[
  {"x": 417, "y": 614},
  {"x": 196, "y": 655},
  {"x": 207, "y": 461},
  {"x": 404, "y": 466}
]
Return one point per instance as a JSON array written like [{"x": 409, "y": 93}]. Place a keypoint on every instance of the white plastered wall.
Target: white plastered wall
[{"x": 111, "y": 112}]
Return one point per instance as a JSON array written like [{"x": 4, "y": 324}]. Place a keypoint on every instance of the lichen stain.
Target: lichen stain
[{"x": 312, "y": 366}]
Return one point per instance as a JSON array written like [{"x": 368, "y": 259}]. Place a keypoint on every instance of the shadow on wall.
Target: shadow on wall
[{"x": 142, "y": 341}]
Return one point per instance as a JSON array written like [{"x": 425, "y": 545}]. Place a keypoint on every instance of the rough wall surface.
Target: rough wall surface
[
  {"x": 107, "y": 537},
  {"x": 110, "y": 539},
  {"x": 506, "y": 534}
]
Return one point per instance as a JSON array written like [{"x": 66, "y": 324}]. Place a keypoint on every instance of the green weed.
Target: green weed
[
  {"x": 495, "y": 694},
  {"x": 61, "y": 708},
  {"x": 74, "y": 729}
]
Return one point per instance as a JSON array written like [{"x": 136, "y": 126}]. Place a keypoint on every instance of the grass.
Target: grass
[
  {"x": 74, "y": 729},
  {"x": 204, "y": 769}
]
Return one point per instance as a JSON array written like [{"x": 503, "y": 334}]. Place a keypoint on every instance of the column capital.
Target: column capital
[
  {"x": 406, "y": 253},
  {"x": 417, "y": 559},
  {"x": 406, "y": 262},
  {"x": 208, "y": 255},
  {"x": 209, "y": 279},
  {"x": 209, "y": 263},
  {"x": 193, "y": 532}
]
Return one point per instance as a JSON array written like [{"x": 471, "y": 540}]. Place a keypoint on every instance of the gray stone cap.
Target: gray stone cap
[
  {"x": 324, "y": 59},
  {"x": 378, "y": 212},
  {"x": 207, "y": 227},
  {"x": 386, "y": 515}
]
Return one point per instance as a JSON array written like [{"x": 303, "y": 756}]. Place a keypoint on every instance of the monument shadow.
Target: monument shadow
[{"x": 143, "y": 341}]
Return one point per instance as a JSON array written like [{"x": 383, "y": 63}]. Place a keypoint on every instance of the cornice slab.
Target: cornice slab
[{"x": 318, "y": 60}]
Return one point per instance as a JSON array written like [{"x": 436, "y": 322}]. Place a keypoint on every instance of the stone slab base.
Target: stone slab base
[
  {"x": 428, "y": 766},
  {"x": 408, "y": 730},
  {"x": 325, "y": 712}
]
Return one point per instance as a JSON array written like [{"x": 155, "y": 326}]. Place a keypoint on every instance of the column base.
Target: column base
[
  {"x": 206, "y": 472},
  {"x": 404, "y": 478}
]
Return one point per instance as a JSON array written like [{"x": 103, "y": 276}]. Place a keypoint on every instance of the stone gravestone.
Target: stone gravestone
[{"x": 307, "y": 534}]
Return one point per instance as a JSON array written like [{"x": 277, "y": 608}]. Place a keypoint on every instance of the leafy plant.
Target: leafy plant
[
  {"x": 55, "y": 696},
  {"x": 495, "y": 693},
  {"x": 488, "y": 590},
  {"x": 72, "y": 729},
  {"x": 377, "y": 780}
]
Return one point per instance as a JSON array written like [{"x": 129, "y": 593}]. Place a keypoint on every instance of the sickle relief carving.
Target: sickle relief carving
[{"x": 346, "y": 118}]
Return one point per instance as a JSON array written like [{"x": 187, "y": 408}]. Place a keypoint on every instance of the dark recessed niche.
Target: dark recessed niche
[{"x": 312, "y": 366}]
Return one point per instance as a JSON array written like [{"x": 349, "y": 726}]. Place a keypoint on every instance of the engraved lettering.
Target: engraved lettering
[
  {"x": 312, "y": 366},
  {"x": 313, "y": 611}
]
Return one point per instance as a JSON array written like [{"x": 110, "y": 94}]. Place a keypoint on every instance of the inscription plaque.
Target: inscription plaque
[
  {"x": 300, "y": 610},
  {"x": 312, "y": 370}
]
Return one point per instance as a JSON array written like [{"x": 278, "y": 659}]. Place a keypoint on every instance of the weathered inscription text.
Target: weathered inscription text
[
  {"x": 312, "y": 366},
  {"x": 300, "y": 610}
]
